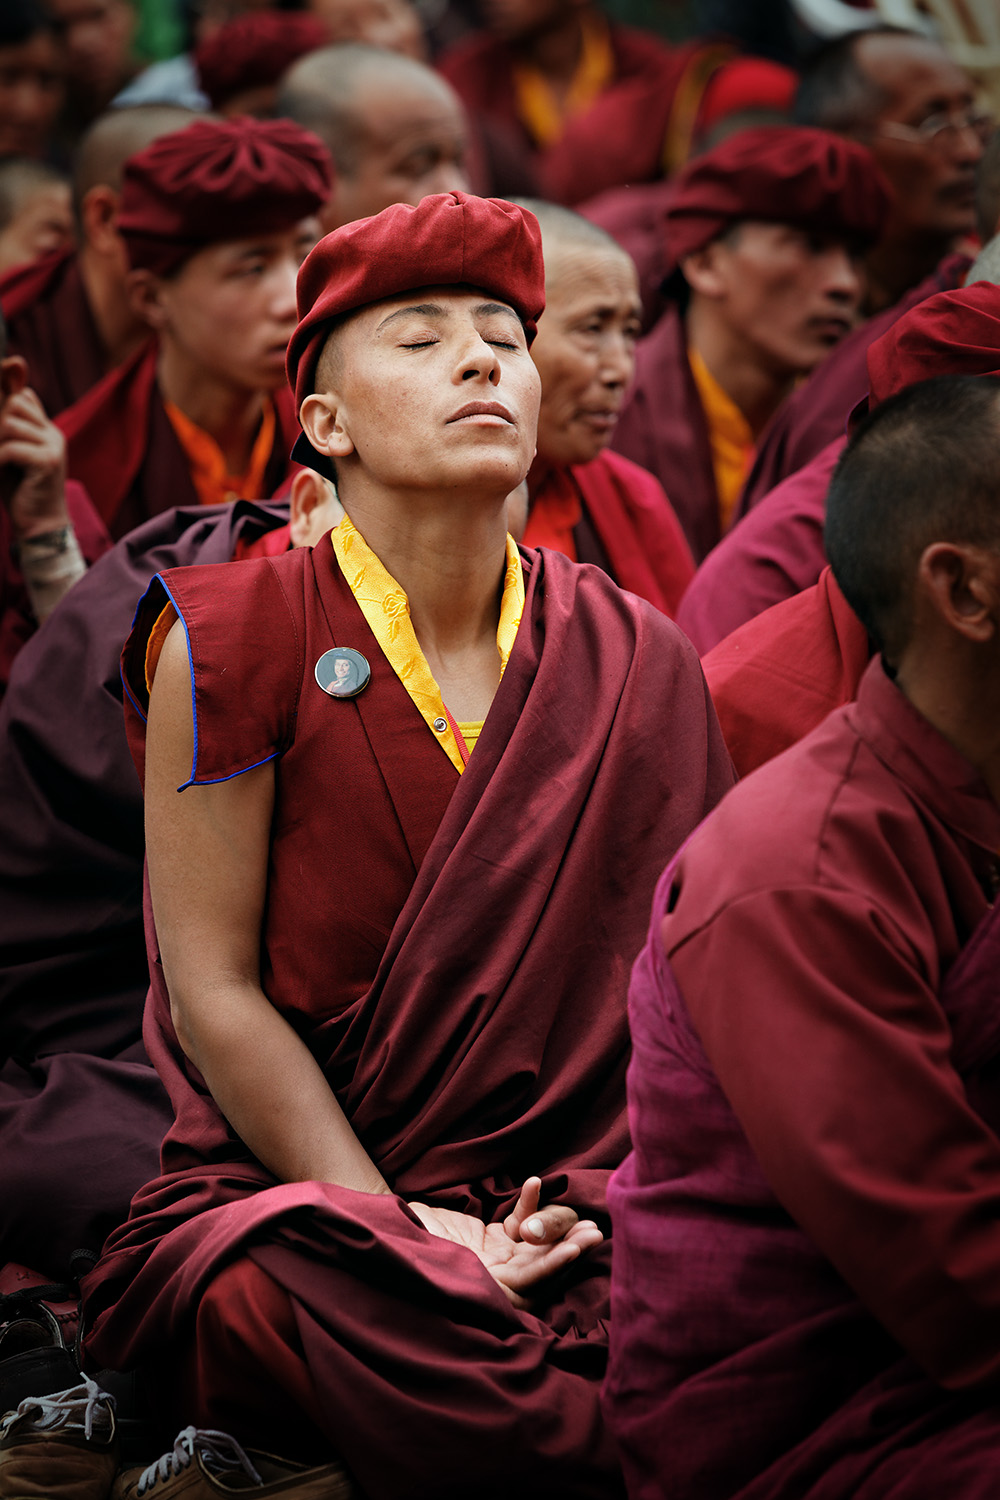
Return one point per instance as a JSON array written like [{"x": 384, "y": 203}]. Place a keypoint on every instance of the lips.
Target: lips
[{"x": 482, "y": 409}]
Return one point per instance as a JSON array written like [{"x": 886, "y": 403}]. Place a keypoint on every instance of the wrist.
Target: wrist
[{"x": 49, "y": 533}]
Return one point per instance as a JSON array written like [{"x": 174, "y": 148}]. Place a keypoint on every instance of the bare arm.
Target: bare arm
[{"x": 208, "y": 858}]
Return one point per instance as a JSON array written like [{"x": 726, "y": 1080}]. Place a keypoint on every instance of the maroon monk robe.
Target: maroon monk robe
[
  {"x": 421, "y": 976},
  {"x": 17, "y": 619},
  {"x": 806, "y": 1298},
  {"x": 779, "y": 675},
  {"x": 50, "y": 323},
  {"x": 626, "y": 526},
  {"x": 121, "y": 445},
  {"x": 664, "y": 429},
  {"x": 770, "y": 555},
  {"x": 82, "y": 1113},
  {"x": 817, "y": 413},
  {"x": 621, "y": 137}
]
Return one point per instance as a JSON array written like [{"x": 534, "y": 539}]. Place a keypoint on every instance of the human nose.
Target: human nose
[
  {"x": 479, "y": 361},
  {"x": 843, "y": 278},
  {"x": 617, "y": 359},
  {"x": 283, "y": 306}
]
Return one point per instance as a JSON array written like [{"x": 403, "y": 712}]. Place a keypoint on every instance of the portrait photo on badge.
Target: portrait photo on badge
[{"x": 342, "y": 672}]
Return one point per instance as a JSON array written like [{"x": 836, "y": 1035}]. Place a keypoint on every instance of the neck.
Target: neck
[
  {"x": 118, "y": 329},
  {"x": 556, "y": 51},
  {"x": 955, "y": 690},
  {"x": 757, "y": 390},
  {"x": 229, "y": 414},
  {"x": 893, "y": 267}
]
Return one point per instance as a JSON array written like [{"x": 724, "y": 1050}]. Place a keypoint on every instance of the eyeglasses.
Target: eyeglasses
[{"x": 942, "y": 130}]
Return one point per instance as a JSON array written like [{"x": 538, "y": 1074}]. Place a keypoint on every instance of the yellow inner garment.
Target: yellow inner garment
[
  {"x": 214, "y": 484},
  {"x": 386, "y": 608},
  {"x": 541, "y": 113},
  {"x": 729, "y": 436}
]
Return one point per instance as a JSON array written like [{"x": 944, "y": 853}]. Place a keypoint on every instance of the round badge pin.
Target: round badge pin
[{"x": 343, "y": 672}]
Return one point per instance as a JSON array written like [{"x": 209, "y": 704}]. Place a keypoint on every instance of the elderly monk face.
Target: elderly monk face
[
  {"x": 411, "y": 142},
  {"x": 230, "y": 309},
  {"x": 585, "y": 348},
  {"x": 932, "y": 176},
  {"x": 434, "y": 390},
  {"x": 788, "y": 296},
  {"x": 32, "y": 89}
]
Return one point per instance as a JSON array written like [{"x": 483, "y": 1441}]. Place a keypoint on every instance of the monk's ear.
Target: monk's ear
[
  {"x": 13, "y": 376},
  {"x": 324, "y": 422},
  {"x": 313, "y": 508},
  {"x": 98, "y": 220},
  {"x": 961, "y": 583},
  {"x": 705, "y": 271},
  {"x": 145, "y": 293}
]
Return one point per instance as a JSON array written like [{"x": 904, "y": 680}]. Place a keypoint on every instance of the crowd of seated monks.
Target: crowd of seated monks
[{"x": 499, "y": 754}]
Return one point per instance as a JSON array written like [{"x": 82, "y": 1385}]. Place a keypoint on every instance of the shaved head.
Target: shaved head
[
  {"x": 562, "y": 229},
  {"x": 116, "y": 136}
]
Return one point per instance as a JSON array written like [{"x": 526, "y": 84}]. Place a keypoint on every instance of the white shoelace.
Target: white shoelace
[
  {"x": 63, "y": 1408},
  {"x": 217, "y": 1449}
]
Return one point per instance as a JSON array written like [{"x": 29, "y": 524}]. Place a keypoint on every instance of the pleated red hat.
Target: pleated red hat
[
  {"x": 449, "y": 239},
  {"x": 782, "y": 174},
  {"x": 219, "y": 180},
  {"x": 951, "y": 333}
]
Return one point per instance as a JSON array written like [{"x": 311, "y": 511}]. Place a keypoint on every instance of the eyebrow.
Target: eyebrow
[{"x": 435, "y": 310}]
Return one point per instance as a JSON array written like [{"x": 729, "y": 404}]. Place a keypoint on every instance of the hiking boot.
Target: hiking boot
[
  {"x": 61, "y": 1445},
  {"x": 206, "y": 1465}
]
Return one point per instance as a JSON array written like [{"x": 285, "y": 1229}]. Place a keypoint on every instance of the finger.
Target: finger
[
  {"x": 524, "y": 1271},
  {"x": 549, "y": 1224},
  {"x": 525, "y": 1206}
]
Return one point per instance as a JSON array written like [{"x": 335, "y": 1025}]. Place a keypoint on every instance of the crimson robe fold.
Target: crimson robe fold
[
  {"x": 459, "y": 974},
  {"x": 50, "y": 323},
  {"x": 805, "y": 1297}
]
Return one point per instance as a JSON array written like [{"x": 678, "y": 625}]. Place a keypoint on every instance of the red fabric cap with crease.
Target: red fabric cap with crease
[
  {"x": 951, "y": 333},
  {"x": 215, "y": 181},
  {"x": 781, "y": 174},
  {"x": 449, "y": 239},
  {"x": 253, "y": 50},
  {"x": 746, "y": 83}
]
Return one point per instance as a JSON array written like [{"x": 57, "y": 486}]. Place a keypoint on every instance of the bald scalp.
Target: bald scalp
[
  {"x": 563, "y": 229},
  {"x": 326, "y": 91},
  {"x": 117, "y": 135}
]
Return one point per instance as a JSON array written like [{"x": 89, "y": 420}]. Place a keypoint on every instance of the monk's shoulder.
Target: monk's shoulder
[{"x": 596, "y": 600}]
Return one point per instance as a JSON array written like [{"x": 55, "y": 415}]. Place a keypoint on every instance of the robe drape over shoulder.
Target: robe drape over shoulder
[
  {"x": 771, "y": 554},
  {"x": 817, "y": 413},
  {"x": 50, "y": 323},
  {"x": 626, "y": 521},
  {"x": 663, "y": 428},
  {"x": 122, "y": 447},
  {"x": 82, "y": 1112},
  {"x": 460, "y": 979},
  {"x": 778, "y": 676},
  {"x": 807, "y": 1232}
]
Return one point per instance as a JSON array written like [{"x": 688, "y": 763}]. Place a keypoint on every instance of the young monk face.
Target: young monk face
[
  {"x": 32, "y": 88},
  {"x": 585, "y": 349},
  {"x": 433, "y": 391},
  {"x": 229, "y": 311},
  {"x": 786, "y": 295}
]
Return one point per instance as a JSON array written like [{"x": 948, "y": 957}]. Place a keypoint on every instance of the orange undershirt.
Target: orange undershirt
[
  {"x": 729, "y": 436},
  {"x": 543, "y": 115},
  {"x": 551, "y": 521},
  {"x": 214, "y": 485}
]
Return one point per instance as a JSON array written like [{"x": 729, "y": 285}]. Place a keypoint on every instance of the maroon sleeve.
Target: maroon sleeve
[
  {"x": 826, "y": 1033},
  {"x": 244, "y": 628}
]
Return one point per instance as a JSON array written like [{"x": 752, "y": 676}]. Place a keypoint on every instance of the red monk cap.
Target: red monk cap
[
  {"x": 746, "y": 83},
  {"x": 219, "y": 180},
  {"x": 951, "y": 333},
  {"x": 254, "y": 50},
  {"x": 781, "y": 174},
  {"x": 449, "y": 239}
]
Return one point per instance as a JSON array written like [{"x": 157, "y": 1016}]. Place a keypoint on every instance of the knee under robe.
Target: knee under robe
[{"x": 460, "y": 977}]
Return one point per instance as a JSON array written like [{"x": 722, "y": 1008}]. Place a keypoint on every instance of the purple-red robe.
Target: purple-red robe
[
  {"x": 459, "y": 975},
  {"x": 817, "y": 412},
  {"x": 50, "y": 323},
  {"x": 122, "y": 447},
  {"x": 779, "y": 675},
  {"x": 771, "y": 554},
  {"x": 620, "y": 138},
  {"x": 82, "y": 1112},
  {"x": 806, "y": 1285},
  {"x": 663, "y": 428}
]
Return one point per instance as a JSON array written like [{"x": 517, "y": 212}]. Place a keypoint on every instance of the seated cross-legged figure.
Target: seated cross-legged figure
[
  {"x": 806, "y": 1299},
  {"x": 391, "y": 926}
]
